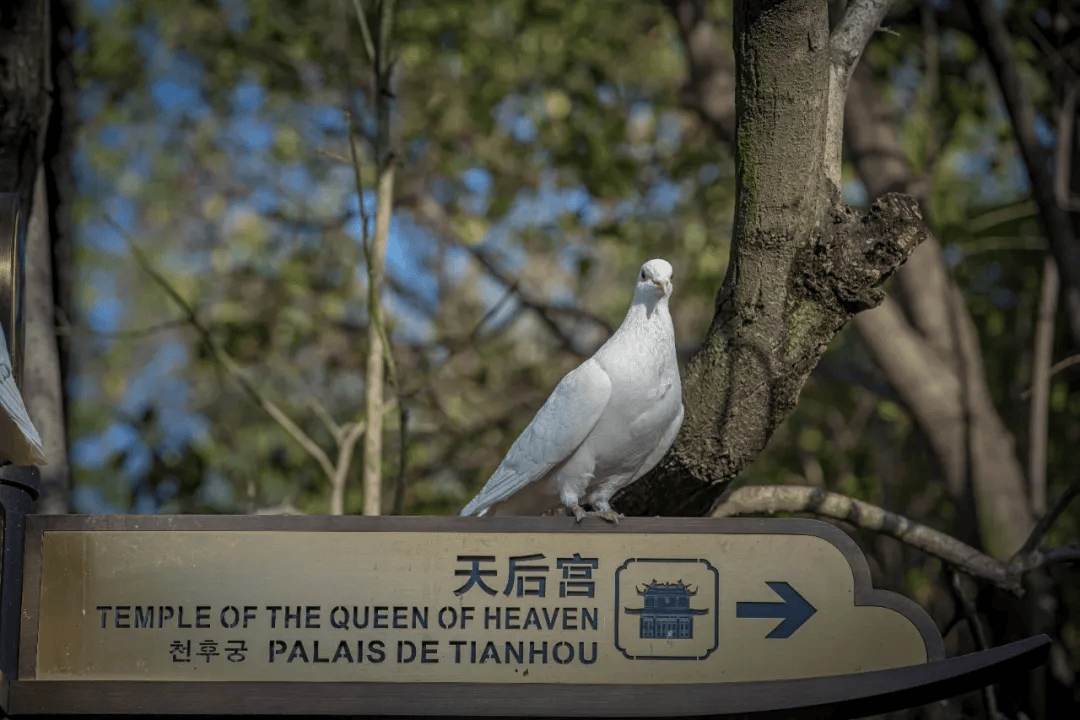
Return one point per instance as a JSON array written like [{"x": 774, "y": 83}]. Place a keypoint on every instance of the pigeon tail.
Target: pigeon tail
[{"x": 473, "y": 508}]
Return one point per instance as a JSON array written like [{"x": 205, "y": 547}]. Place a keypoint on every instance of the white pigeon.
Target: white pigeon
[{"x": 607, "y": 423}]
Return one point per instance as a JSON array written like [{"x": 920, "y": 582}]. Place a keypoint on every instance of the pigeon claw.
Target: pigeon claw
[
  {"x": 610, "y": 515},
  {"x": 578, "y": 511}
]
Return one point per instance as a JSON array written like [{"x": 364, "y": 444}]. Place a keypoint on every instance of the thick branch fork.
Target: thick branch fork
[
  {"x": 854, "y": 255},
  {"x": 802, "y": 265}
]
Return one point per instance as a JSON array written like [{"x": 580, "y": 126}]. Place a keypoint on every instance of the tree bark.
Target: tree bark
[
  {"x": 801, "y": 264},
  {"x": 932, "y": 328}
]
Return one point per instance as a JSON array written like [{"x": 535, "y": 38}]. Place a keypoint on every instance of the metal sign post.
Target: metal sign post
[
  {"x": 541, "y": 617},
  {"x": 19, "y": 485},
  {"x": 12, "y": 272}
]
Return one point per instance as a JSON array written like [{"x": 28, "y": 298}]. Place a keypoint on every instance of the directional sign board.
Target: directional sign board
[
  {"x": 444, "y": 616},
  {"x": 757, "y": 600}
]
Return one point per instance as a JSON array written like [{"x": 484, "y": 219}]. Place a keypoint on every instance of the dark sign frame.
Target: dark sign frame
[{"x": 837, "y": 696}]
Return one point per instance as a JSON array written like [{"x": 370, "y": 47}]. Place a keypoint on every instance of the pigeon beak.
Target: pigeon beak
[{"x": 664, "y": 285}]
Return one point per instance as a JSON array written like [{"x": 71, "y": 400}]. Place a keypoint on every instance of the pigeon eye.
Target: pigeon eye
[{"x": 642, "y": 274}]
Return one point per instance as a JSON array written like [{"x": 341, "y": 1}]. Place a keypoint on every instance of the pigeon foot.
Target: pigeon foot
[
  {"x": 610, "y": 515},
  {"x": 578, "y": 511}
]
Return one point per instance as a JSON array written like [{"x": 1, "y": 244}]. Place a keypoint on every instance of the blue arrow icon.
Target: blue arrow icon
[{"x": 794, "y": 610}]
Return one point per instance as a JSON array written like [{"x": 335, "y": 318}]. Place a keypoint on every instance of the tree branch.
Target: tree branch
[
  {"x": 710, "y": 85},
  {"x": 379, "y": 350},
  {"x": 992, "y": 35},
  {"x": 771, "y": 499},
  {"x": 432, "y": 216},
  {"x": 860, "y": 21},
  {"x": 225, "y": 360},
  {"x": 847, "y": 42},
  {"x": 365, "y": 32},
  {"x": 1054, "y": 370},
  {"x": 951, "y": 402},
  {"x": 346, "y": 446},
  {"x": 345, "y": 437},
  {"x": 926, "y": 385},
  {"x": 378, "y": 347},
  {"x": 1047, "y": 521},
  {"x": 1038, "y": 413},
  {"x": 966, "y": 608}
]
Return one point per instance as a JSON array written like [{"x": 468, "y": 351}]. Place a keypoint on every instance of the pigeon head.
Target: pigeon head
[{"x": 654, "y": 280}]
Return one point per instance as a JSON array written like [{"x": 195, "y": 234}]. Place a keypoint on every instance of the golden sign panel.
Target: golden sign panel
[{"x": 426, "y": 600}]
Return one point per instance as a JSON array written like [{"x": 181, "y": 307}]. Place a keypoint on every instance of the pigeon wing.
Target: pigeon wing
[
  {"x": 558, "y": 429},
  {"x": 20, "y": 443}
]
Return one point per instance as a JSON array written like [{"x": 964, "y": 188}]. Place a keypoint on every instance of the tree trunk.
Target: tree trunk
[
  {"x": 32, "y": 63},
  {"x": 801, "y": 263}
]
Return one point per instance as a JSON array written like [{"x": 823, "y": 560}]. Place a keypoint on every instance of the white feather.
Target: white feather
[{"x": 20, "y": 443}]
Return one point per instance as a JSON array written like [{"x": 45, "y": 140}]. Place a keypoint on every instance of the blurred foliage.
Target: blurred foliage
[{"x": 552, "y": 141}]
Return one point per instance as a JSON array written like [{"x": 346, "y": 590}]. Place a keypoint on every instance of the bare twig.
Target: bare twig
[
  {"x": 992, "y": 34},
  {"x": 333, "y": 156},
  {"x": 432, "y": 216},
  {"x": 346, "y": 445},
  {"x": 1038, "y": 415},
  {"x": 993, "y": 218},
  {"x": 1054, "y": 370},
  {"x": 1062, "y": 181},
  {"x": 336, "y": 431},
  {"x": 770, "y": 499},
  {"x": 1063, "y": 157},
  {"x": 64, "y": 330},
  {"x": 1047, "y": 521},
  {"x": 365, "y": 32},
  {"x": 966, "y": 608},
  {"x": 710, "y": 85},
  {"x": 544, "y": 310},
  {"x": 345, "y": 437},
  {"x": 1041, "y": 370},
  {"x": 226, "y": 361}
]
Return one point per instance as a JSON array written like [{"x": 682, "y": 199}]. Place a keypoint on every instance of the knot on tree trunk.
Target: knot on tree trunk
[{"x": 852, "y": 256}]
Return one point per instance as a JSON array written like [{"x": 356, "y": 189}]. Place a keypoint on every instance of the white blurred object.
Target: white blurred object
[{"x": 20, "y": 443}]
